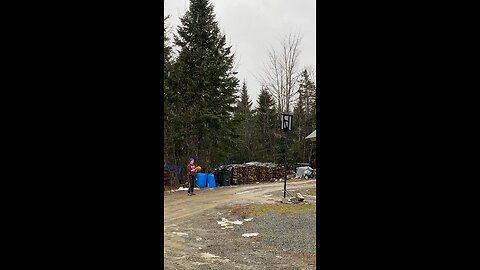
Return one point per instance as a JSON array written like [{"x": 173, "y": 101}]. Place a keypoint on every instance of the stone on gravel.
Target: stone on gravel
[
  {"x": 300, "y": 197},
  {"x": 212, "y": 257},
  {"x": 285, "y": 200},
  {"x": 199, "y": 263},
  {"x": 249, "y": 234},
  {"x": 209, "y": 256}
]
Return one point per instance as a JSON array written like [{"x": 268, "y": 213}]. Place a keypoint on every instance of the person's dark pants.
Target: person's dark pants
[{"x": 191, "y": 183}]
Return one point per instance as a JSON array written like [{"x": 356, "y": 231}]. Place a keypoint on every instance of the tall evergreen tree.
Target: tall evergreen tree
[
  {"x": 304, "y": 113},
  {"x": 167, "y": 49},
  {"x": 265, "y": 119},
  {"x": 243, "y": 115},
  {"x": 207, "y": 82},
  {"x": 174, "y": 127},
  {"x": 243, "y": 110},
  {"x": 300, "y": 116},
  {"x": 309, "y": 91}
]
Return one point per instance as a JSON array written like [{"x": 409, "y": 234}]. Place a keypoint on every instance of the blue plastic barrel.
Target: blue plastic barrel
[
  {"x": 211, "y": 180},
  {"x": 201, "y": 179}
]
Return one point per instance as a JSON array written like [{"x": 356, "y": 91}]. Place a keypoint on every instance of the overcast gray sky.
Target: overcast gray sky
[{"x": 253, "y": 26}]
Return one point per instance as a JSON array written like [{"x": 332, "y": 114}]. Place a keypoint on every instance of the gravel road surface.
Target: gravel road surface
[{"x": 200, "y": 232}]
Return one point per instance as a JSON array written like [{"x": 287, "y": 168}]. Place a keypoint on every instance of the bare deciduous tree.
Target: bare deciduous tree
[
  {"x": 312, "y": 74},
  {"x": 281, "y": 72}
]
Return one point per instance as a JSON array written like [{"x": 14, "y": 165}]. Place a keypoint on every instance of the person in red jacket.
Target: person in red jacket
[{"x": 191, "y": 176}]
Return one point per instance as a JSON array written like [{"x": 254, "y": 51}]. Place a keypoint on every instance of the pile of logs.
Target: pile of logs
[
  {"x": 169, "y": 178},
  {"x": 253, "y": 172}
]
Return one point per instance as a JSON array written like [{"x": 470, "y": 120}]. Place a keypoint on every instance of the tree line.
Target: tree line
[{"x": 208, "y": 113}]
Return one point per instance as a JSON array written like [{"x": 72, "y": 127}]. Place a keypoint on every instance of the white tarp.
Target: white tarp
[{"x": 302, "y": 170}]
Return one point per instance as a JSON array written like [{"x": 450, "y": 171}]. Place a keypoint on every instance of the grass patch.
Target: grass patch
[
  {"x": 246, "y": 211},
  {"x": 309, "y": 191}
]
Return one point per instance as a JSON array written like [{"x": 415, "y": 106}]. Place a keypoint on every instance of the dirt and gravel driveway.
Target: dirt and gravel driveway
[{"x": 202, "y": 232}]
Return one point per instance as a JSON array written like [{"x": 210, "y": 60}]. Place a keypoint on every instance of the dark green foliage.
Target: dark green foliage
[
  {"x": 201, "y": 90},
  {"x": 304, "y": 114},
  {"x": 244, "y": 118},
  {"x": 205, "y": 114},
  {"x": 266, "y": 120}
]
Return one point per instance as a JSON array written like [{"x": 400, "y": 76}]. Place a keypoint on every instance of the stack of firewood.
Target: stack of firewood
[
  {"x": 265, "y": 173},
  {"x": 279, "y": 172},
  {"x": 253, "y": 172},
  {"x": 238, "y": 174}
]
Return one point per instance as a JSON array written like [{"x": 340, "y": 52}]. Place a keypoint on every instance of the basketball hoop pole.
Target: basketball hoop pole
[
  {"x": 285, "y": 126},
  {"x": 285, "y": 180}
]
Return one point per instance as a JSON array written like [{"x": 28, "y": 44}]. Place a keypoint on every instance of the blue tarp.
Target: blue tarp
[{"x": 179, "y": 170}]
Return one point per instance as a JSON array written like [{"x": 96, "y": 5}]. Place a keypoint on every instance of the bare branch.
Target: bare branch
[{"x": 280, "y": 74}]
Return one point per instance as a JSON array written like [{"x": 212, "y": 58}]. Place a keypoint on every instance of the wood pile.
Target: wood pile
[
  {"x": 170, "y": 177},
  {"x": 279, "y": 173},
  {"x": 253, "y": 172}
]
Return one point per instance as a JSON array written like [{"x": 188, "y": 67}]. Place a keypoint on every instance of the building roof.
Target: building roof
[{"x": 312, "y": 136}]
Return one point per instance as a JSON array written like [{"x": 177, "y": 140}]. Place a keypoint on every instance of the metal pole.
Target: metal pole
[{"x": 285, "y": 181}]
